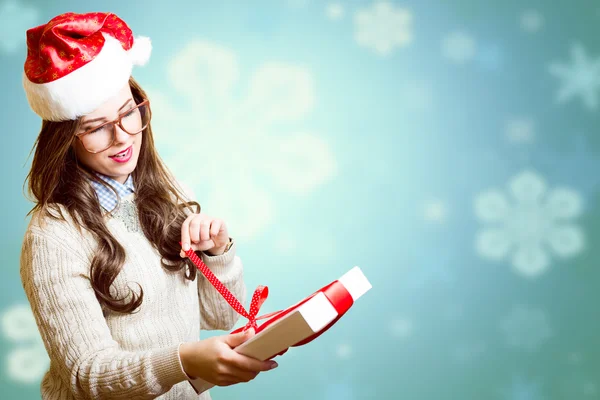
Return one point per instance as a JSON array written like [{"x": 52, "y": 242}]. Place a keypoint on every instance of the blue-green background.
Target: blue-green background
[{"x": 405, "y": 132}]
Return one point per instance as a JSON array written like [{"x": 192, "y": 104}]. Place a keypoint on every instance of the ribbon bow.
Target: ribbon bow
[{"x": 335, "y": 292}]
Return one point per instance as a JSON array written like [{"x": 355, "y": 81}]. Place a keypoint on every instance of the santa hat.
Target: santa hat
[{"x": 76, "y": 62}]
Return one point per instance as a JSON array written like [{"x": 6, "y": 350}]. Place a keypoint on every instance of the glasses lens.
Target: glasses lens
[
  {"x": 136, "y": 120},
  {"x": 133, "y": 122},
  {"x": 98, "y": 139}
]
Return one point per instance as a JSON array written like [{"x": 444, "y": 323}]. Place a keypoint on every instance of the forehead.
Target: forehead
[{"x": 112, "y": 105}]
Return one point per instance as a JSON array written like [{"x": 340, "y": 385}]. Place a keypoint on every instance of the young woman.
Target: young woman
[{"x": 118, "y": 304}]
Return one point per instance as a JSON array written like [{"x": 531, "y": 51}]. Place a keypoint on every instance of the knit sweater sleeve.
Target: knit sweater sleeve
[
  {"x": 55, "y": 276},
  {"x": 215, "y": 312}
]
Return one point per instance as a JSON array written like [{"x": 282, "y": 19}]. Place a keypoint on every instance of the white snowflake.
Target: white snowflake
[
  {"x": 383, "y": 27},
  {"x": 27, "y": 362},
  {"x": 531, "y": 21},
  {"x": 238, "y": 150},
  {"x": 526, "y": 328},
  {"x": 401, "y": 328},
  {"x": 334, "y": 11},
  {"x": 520, "y": 130},
  {"x": 459, "y": 47},
  {"x": 15, "y": 17},
  {"x": 579, "y": 78},
  {"x": 537, "y": 220},
  {"x": 344, "y": 351},
  {"x": 435, "y": 210}
]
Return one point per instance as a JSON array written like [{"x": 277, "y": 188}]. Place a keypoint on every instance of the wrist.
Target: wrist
[
  {"x": 184, "y": 357},
  {"x": 218, "y": 251}
]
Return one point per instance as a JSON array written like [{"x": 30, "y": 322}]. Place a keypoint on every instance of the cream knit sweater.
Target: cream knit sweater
[{"x": 96, "y": 353}]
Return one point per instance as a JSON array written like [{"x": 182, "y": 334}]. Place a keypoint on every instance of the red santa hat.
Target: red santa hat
[{"x": 76, "y": 62}]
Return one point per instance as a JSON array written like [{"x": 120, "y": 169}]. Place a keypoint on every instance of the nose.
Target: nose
[{"x": 120, "y": 135}]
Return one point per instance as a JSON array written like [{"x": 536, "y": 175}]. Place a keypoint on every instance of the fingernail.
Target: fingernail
[
  {"x": 186, "y": 246},
  {"x": 274, "y": 365}
]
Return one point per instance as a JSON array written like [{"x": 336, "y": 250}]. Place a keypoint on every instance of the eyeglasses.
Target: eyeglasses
[{"x": 133, "y": 121}]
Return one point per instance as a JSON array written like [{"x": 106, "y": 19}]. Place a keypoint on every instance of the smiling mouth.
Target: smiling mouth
[{"x": 122, "y": 152}]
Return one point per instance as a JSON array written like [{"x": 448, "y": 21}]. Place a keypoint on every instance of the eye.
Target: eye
[
  {"x": 130, "y": 113},
  {"x": 97, "y": 130}
]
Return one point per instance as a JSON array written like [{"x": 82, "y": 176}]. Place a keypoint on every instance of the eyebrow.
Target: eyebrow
[{"x": 85, "y": 123}]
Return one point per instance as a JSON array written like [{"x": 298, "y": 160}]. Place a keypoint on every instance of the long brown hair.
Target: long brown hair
[{"x": 56, "y": 177}]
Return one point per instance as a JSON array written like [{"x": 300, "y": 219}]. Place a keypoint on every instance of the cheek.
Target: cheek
[
  {"x": 138, "y": 144},
  {"x": 91, "y": 160}
]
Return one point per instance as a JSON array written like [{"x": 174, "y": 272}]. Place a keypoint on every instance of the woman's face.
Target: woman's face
[{"x": 103, "y": 162}]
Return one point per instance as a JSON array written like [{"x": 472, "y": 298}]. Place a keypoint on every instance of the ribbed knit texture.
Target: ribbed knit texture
[{"x": 96, "y": 353}]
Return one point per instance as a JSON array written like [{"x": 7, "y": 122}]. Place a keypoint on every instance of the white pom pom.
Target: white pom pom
[{"x": 139, "y": 54}]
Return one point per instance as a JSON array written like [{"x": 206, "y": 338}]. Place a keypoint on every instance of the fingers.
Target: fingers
[
  {"x": 240, "y": 375},
  {"x": 185, "y": 232},
  {"x": 251, "y": 364},
  {"x": 215, "y": 227},
  {"x": 196, "y": 228},
  {"x": 204, "y": 230}
]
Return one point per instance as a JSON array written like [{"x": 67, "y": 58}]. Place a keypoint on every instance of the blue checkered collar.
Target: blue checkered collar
[{"x": 108, "y": 198}]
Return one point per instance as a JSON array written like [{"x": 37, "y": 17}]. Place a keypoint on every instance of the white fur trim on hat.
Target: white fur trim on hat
[
  {"x": 139, "y": 54},
  {"x": 87, "y": 88}
]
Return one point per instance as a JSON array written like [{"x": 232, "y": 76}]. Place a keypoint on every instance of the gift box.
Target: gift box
[{"x": 295, "y": 326}]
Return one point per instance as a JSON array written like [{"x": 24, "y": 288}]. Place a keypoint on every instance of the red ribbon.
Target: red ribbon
[{"x": 335, "y": 292}]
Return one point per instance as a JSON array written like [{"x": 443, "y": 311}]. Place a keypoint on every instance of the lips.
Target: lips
[{"x": 121, "y": 152}]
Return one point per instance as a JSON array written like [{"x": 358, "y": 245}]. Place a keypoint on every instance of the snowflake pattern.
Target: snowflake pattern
[
  {"x": 579, "y": 78},
  {"x": 401, "y": 328},
  {"x": 334, "y": 11},
  {"x": 531, "y": 21},
  {"x": 435, "y": 210},
  {"x": 383, "y": 27},
  {"x": 537, "y": 221},
  {"x": 520, "y": 130},
  {"x": 242, "y": 143},
  {"x": 344, "y": 351},
  {"x": 459, "y": 47},
  {"x": 28, "y": 361}
]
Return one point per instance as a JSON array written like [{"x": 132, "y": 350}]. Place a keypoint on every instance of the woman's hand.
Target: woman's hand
[
  {"x": 203, "y": 233},
  {"x": 215, "y": 361}
]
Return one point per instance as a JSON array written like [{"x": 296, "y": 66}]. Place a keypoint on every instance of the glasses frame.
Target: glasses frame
[{"x": 115, "y": 123}]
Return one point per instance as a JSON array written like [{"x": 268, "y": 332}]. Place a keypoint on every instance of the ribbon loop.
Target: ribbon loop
[
  {"x": 258, "y": 298},
  {"x": 335, "y": 292}
]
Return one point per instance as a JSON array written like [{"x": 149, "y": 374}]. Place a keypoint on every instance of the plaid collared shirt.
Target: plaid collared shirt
[{"x": 107, "y": 198}]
